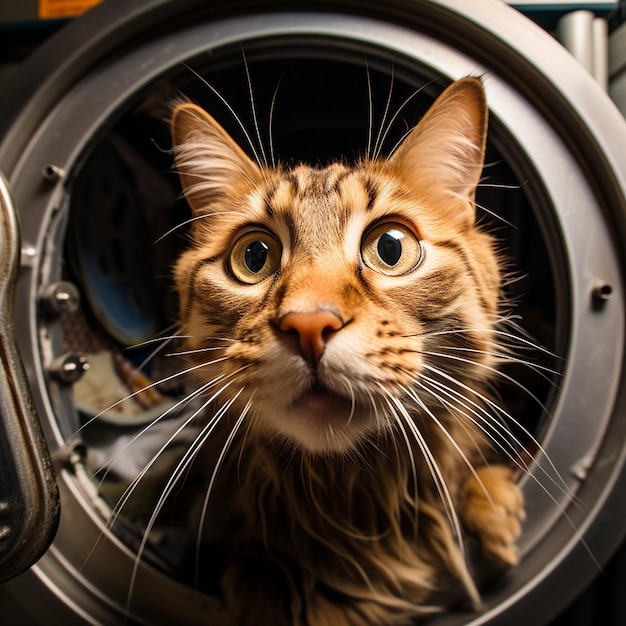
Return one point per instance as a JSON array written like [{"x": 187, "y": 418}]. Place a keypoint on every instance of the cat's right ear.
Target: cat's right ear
[
  {"x": 210, "y": 164},
  {"x": 442, "y": 157}
]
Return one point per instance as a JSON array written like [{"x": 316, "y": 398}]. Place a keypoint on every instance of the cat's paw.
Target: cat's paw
[{"x": 493, "y": 510}]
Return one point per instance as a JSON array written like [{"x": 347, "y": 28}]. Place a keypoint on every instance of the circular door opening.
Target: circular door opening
[
  {"x": 318, "y": 87},
  {"x": 126, "y": 226}
]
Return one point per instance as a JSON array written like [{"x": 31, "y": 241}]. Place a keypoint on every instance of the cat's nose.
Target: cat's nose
[{"x": 314, "y": 330}]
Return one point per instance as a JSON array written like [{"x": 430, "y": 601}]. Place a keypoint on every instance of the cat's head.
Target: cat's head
[{"x": 342, "y": 302}]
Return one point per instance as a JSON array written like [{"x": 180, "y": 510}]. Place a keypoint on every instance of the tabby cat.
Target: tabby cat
[{"x": 342, "y": 325}]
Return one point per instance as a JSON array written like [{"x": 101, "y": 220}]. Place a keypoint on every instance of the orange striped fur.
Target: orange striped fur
[{"x": 351, "y": 448}]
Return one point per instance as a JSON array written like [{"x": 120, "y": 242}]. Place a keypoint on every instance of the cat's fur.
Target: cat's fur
[{"x": 354, "y": 440}]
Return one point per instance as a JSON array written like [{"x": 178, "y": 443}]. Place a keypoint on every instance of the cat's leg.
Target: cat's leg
[
  {"x": 493, "y": 510},
  {"x": 259, "y": 593}
]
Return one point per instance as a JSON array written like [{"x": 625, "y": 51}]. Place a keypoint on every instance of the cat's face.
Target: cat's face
[{"x": 331, "y": 301}]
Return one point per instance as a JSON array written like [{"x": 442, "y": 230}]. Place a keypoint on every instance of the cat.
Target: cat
[{"x": 341, "y": 323}]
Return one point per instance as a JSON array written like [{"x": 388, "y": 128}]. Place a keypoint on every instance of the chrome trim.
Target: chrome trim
[{"x": 29, "y": 501}]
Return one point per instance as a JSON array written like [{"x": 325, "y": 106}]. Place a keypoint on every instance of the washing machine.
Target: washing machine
[{"x": 91, "y": 223}]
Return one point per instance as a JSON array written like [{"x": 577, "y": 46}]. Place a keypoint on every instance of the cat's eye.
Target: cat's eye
[
  {"x": 391, "y": 249},
  {"x": 254, "y": 257}
]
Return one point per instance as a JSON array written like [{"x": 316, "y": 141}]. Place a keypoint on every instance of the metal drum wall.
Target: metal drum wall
[{"x": 83, "y": 144}]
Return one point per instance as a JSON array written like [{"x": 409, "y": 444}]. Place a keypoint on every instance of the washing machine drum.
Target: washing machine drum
[{"x": 86, "y": 153}]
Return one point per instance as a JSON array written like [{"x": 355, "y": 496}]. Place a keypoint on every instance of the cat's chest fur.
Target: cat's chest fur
[{"x": 327, "y": 534}]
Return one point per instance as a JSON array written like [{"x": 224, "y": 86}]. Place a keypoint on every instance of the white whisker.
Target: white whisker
[
  {"x": 171, "y": 410},
  {"x": 439, "y": 480},
  {"x": 350, "y": 390},
  {"x": 271, "y": 123},
  {"x": 370, "y": 103},
  {"x": 484, "y": 420},
  {"x": 378, "y": 145},
  {"x": 230, "y": 110},
  {"x": 453, "y": 443},
  {"x": 175, "y": 476},
  {"x": 255, "y": 118},
  {"x": 512, "y": 420},
  {"x": 121, "y": 502},
  {"x": 150, "y": 386},
  {"x": 518, "y": 341},
  {"x": 539, "y": 369},
  {"x": 399, "y": 424},
  {"x": 191, "y": 220},
  {"x": 496, "y": 216},
  {"x": 491, "y": 370},
  {"x": 514, "y": 186},
  {"x": 133, "y": 485},
  {"x": 161, "y": 338},
  {"x": 218, "y": 465},
  {"x": 196, "y": 351},
  {"x": 396, "y": 115}
]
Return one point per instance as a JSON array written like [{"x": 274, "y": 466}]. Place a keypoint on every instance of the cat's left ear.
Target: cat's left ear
[
  {"x": 211, "y": 165},
  {"x": 442, "y": 158}
]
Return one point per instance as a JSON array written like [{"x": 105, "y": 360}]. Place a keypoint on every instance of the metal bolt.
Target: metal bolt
[
  {"x": 68, "y": 368},
  {"x": 52, "y": 172},
  {"x": 601, "y": 293},
  {"x": 61, "y": 297}
]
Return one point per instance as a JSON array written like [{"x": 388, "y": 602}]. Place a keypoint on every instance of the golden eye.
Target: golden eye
[
  {"x": 391, "y": 249},
  {"x": 254, "y": 257}
]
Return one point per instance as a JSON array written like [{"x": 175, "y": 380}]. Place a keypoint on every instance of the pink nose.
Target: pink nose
[{"x": 314, "y": 329}]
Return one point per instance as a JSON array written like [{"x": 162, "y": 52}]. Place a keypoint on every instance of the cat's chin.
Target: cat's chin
[
  {"x": 322, "y": 421},
  {"x": 323, "y": 404}
]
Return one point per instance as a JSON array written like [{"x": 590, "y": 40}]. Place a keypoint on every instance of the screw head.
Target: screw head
[
  {"x": 60, "y": 297},
  {"x": 68, "y": 368},
  {"x": 601, "y": 293},
  {"x": 52, "y": 172}
]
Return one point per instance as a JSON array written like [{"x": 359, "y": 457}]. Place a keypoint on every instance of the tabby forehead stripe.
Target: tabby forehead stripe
[
  {"x": 269, "y": 197},
  {"x": 294, "y": 181},
  {"x": 372, "y": 192},
  {"x": 334, "y": 185}
]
